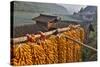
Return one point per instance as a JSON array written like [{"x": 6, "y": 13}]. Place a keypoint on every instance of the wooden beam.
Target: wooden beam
[{"x": 24, "y": 38}]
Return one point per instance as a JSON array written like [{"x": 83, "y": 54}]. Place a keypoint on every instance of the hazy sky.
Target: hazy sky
[{"x": 73, "y": 8}]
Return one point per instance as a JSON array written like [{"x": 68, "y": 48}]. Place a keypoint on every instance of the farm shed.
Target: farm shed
[{"x": 46, "y": 20}]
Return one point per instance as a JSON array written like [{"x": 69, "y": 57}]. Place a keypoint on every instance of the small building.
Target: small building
[{"x": 47, "y": 21}]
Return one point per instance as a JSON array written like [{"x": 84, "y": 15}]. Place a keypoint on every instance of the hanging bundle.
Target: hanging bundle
[
  {"x": 21, "y": 54},
  {"x": 48, "y": 47},
  {"x": 74, "y": 52}
]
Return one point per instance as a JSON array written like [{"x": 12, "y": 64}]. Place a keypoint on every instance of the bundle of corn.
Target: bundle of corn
[
  {"x": 73, "y": 49},
  {"x": 38, "y": 54},
  {"x": 48, "y": 48},
  {"x": 53, "y": 40},
  {"x": 82, "y": 34},
  {"x": 61, "y": 41},
  {"x": 21, "y": 55}
]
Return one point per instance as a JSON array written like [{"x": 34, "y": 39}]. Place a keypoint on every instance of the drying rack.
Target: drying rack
[{"x": 24, "y": 38}]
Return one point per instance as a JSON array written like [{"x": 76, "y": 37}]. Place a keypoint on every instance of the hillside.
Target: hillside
[{"x": 39, "y": 7}]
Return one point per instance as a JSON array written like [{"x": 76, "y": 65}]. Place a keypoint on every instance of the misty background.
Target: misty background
[
  {"x": 72, "y": 8},
  {"x": 25, "y": 11}
]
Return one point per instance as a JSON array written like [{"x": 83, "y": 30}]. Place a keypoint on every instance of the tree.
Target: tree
[{"x": 81, "y": 9}]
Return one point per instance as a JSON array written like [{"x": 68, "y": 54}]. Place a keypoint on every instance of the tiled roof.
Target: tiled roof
[{"x": 45, "y": 18}]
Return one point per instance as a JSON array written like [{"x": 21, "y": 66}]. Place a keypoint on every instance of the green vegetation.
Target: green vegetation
[{"x": 90, "y": 55}]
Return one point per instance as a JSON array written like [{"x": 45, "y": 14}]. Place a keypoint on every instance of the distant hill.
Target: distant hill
[
  {"x": 89, "y": 9},
  {"x": 39, "y": 7}
]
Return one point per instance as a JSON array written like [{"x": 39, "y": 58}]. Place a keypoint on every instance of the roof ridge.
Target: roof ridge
[{"x": 47, "y": 15}]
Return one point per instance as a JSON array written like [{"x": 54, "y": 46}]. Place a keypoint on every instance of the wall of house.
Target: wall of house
[
  {"x": 51, "y": 25},
  {"x": 42, "y": 23}
]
